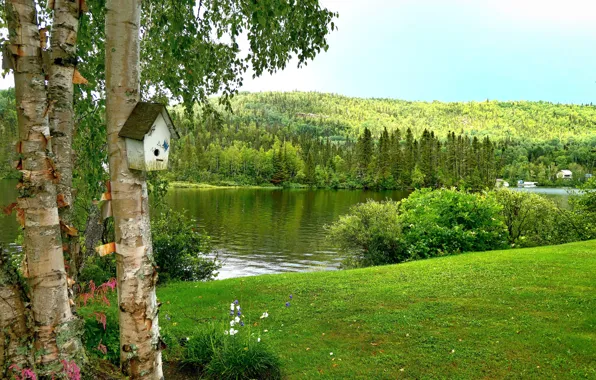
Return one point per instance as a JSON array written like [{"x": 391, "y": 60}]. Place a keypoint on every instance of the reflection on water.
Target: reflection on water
[
  {"x": 258, "y": 231},
  {"x": 557, "y": 194}
]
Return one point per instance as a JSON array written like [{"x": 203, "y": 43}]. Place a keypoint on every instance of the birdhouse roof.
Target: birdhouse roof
[{"x": 142, "y": 118}]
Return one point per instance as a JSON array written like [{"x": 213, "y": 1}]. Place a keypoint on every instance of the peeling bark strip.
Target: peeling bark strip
[
  {"x": 140, "y": 353},
  {"x": 61, "y": 68},
  {"x": 42, "y": 242}
]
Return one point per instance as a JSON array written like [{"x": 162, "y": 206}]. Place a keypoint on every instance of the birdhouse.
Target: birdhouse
[{"x": 148, "y": 132}]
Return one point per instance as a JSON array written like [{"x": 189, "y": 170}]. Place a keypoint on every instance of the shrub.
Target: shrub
[
  {"x": 426, "y": 224},
  {"x": 583, "y": 206},
  {"x": 98, "y": 269},
  {"x": 102, "y": 342},
  {"x": 180, "y": 249},
  {"x": 533, "y": 220},
  {"x": 442, "y": 222},
  {"x": 371, "y": 234},
  {"x": 101, "y": 335}
]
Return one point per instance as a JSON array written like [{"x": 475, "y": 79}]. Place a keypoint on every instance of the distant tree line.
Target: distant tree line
[
  {"x": 298, "y": 138},
  {"x": 326, "y": 140}
]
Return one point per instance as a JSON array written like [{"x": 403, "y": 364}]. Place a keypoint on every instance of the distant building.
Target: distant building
[
  {"x": 522, "y": 183},
  {"x": 565, "y": 174}
]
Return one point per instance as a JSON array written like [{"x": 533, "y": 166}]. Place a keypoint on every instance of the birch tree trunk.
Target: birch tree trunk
[
  {"x": 140, "y": 353},
  {"x": 61, "y": 116},
  {"x": 15, "y": 332},
  {"x": 54, "y": 324}
]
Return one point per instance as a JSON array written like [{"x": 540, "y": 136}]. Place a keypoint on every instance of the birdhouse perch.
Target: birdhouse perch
[{"x": 148, "y": 132}]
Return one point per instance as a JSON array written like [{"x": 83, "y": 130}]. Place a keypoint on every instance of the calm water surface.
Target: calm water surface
[{"x": 256, "y": 231}]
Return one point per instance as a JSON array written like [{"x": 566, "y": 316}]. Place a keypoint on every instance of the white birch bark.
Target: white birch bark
[
  {"x": 63, "y": 39},
  {"x": 139, "y": 332},
  {"x": 53, "y": 320}
]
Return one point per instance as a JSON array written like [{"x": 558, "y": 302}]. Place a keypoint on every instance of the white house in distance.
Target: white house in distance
[
  {"x": 565, "y": 174},
  {"x": 148, "y": 132}
]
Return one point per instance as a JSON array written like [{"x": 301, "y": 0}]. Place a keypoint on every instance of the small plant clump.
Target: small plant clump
[{"x": 234, "y": 353}]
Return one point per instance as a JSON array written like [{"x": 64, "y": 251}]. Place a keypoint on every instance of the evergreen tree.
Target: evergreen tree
[{"x": 364, "y": 149}]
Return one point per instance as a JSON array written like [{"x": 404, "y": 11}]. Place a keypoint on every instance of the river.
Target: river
[{"x": 257, "y": 231}]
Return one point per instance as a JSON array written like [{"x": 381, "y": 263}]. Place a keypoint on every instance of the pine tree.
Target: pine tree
[
  {"x": 409, "y": 158},
  {"x": 364, "y": 149},
  {"x": 396, "y": 155},
  {"x": 383, "y": 158}
]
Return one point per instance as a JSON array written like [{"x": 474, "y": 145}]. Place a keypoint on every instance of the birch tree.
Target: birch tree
[
  {"x": 139, "y": 332},
  {"x": 61, "y": 74},
  {"x": 56, "y": 329},
  {"x": 14, "y": 319},
  {"x": 199, "y": 42},
  {"x": 190, "y": 39}
]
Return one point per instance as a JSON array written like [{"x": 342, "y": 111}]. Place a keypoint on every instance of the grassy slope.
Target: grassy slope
[{"x": 519, "y": 313}]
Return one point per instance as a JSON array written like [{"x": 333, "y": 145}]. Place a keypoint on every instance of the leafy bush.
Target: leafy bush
[
  {"x": 180, "y": 249},
  {"x": 583, "y": 205},
  {"x": 426, "y": 224},
  {"x": 371, "y": 234},
  {"x": 98, "y": 269},
  {"x": 533, "y": 220},
  {"x": 102, "y": 342},
  {"x": 443, "y": 222}
]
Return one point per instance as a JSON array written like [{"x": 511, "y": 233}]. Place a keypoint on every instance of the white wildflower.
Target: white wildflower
[
  {"x": 237, "y": 319},
  {"x": 232, "y": 323},
  {"x": 233, "y": 332},
  {"x": 265, "y": 315},
  {"x": 258, "y": 339},
  {"x": 232, "y": 307}
]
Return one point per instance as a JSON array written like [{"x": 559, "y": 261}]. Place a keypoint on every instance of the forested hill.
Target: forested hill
[
  {"x": 330, "y": 140},
  {"x": 336, "y": 141},
  {"x": 336, "y": 115}
]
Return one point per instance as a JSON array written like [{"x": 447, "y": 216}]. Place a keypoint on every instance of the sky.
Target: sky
[{"x": 451, "y": 50}]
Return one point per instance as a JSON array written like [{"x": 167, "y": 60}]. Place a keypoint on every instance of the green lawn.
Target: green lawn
[{"x": 527, "y": 313}]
